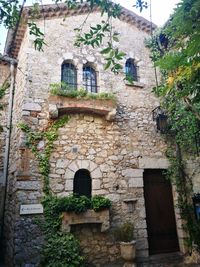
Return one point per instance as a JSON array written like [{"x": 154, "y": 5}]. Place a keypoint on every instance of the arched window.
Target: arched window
[
  {"x": 131, "y": 69},
  {"x": 89, "y": 79},
  {"x": 69, "y": 75},
  {"x": 82, "y": 183}
]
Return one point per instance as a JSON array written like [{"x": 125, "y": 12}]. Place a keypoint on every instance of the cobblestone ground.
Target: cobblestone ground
[{"x": 165, "y": 260}]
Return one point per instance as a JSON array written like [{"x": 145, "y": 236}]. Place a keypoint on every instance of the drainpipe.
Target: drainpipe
[{"x": 4, "y": 181}]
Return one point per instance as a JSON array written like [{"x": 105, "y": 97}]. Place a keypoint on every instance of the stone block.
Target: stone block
[
  {"x": 62, "y": 163},
  {"x": 28, "y": 185},
  {"x": 96, "y": 184},
  {"x": 85, "y": 164},
  {"x": 57, "y": 187},
  {"x": 31, "y": 106},
  {"x": 142, "y": 244},
  {"x": 153, "y": 163},
  {"x": 60, "y": 171},
  {"x": 73, "y": 167},
  {"x": 53, "y": 111},
  {"x": 69, "y": 185},
  {"x": 133, "y": 173},
  {"x": 96, "y": 173},
  {"x": 67, "y": 56},
  {"x": 135, "y": 182},
  {"x": 69, "y": 174}
]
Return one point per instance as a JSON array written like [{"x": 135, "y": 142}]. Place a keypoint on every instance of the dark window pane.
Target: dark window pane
[
  {"x": 89, "y": 79},
  {"x": 82, "y": 183},
  {"x": 69, "y": 75},
  {"x": 131, "y": 69}
]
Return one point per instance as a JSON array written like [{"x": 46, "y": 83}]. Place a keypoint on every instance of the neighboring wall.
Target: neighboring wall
[
  {"x": 4, "y": 75},
  {"x": 16, "y": 228},
  {"x": 193, "y": 170},
  {"x": 115, "y": 153}
]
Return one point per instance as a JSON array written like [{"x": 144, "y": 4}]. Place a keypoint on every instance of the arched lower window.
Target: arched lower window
[
  {"x": 82, "y": 183},
  {"x": 69, "y": 75},
  {"x": 131, "y": 69},
  {"x": 89, "y": 79}
]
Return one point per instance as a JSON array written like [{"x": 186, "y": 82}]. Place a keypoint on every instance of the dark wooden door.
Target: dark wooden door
[{"x": 161, "y": 224}]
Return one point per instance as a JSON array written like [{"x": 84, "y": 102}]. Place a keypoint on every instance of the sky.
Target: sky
[{"x": 161, "y": 10}]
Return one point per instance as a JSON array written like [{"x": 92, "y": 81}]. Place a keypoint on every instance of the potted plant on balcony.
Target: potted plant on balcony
[{"x": 125, "y": 235}]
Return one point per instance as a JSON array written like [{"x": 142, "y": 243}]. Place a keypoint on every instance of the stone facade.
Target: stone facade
[
  {"x": 115, "y": 152},
  {"x": 4, "y": 76}
]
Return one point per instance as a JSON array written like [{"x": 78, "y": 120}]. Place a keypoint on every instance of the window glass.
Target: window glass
[
  {"x": 131, "y": 69},
  {"x": 89, "y": 79},
  {"x": 69, "y": 75}
]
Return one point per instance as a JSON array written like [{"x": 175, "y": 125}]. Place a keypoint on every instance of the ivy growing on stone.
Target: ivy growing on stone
[
  {"x": 49, "y": 135},
  {"x": 3, "y": 89},
  {"x": 174, "y": 51},
  {"x": 60, "y": 248}
]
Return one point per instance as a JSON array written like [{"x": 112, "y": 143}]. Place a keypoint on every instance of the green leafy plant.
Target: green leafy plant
[
  {"x": 125, "y": 232},
  {"x": 77, "y": 204},
  {"x": 100, "y": 203},
  {"x": 62, "y": 250},
  {"x": 174, "y": 49},
  {"x": 62, "y": 89}
]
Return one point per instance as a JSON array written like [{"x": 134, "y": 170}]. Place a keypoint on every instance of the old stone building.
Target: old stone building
[{"x": 116, "y": 145}]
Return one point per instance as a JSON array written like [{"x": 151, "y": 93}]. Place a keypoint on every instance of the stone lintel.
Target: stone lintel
[
  {"x": 90, "y": 216},
  {"x": 153, "y": 163}
]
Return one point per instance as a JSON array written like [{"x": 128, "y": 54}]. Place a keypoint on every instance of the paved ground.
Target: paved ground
[{"x": 163, "y": 260}]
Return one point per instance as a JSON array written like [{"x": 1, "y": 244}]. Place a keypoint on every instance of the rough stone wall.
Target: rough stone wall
[
  {"x": 4, "y": 75},
  {"x": 193, "y": 170},
  {"x": 19, "y": 231},
  {"x": 115, "y": 153}
]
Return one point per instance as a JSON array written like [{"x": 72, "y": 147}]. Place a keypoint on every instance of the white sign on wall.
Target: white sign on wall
[{"x": 31, "y": 209}]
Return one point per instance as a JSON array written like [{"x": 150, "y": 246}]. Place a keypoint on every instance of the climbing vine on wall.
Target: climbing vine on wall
[
  {"x": 174, "y": 49},
  {"x": 3, "y": 89},
  {"x": 48, "y": 136},
  {"x": 60, "y": 249}
]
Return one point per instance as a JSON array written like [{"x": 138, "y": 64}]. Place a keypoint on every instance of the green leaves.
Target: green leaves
[
  {"x": 62, "y": 250},
  {"x": 9, "y": 13},
  {"x": 62, "y": 89},
  {"x": 39, "y": 40},
  {"x": 112, "y": 56},
  {"x": 48, "y": 136},
  {"x": 100, "y": 203},
  {"x": 94, "y": 37},
  {"x": 77, "y": 204}
]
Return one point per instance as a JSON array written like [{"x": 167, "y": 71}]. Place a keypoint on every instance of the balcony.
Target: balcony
[{"x": 60, "y": 105}]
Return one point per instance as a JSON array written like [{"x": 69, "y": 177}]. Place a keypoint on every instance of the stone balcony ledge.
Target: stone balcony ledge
[
  {"x": 59, "y": 105},
  {"x": 90, "y": 216}
]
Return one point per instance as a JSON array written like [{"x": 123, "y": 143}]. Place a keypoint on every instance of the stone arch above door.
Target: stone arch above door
[{"x": 74, "y": 166}]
